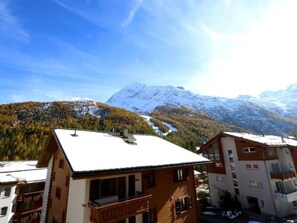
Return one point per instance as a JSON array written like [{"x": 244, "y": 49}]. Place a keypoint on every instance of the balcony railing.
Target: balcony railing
[
  {"x": 283, "y": 175},
  {"x": 286, "y": 197},
  {"x": 119, "y": 210}
]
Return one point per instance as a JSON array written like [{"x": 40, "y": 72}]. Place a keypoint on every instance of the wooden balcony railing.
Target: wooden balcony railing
[
  {"x": 119, "y": 210},
  {"x": 283, "y": 175}
]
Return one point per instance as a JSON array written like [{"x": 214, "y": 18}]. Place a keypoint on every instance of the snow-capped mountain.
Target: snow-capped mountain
[
  {"x": 245, "y": 111},
  {"x": 283, "y": 102}
]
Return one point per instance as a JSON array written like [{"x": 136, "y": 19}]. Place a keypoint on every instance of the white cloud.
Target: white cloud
[
  {"x": 9, "y": 24},
  {"x": 262, "y": 59},
  {"x": 132, "y": 13}
]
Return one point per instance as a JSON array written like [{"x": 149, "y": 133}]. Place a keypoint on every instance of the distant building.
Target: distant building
[
  {"x": 108, "y": 177},
  {"x": 260, "y": 170},
  {"x": 21, "y": 191}
]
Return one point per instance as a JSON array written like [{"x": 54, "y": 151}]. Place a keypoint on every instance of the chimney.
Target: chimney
[{"x": 125, "y": 132}]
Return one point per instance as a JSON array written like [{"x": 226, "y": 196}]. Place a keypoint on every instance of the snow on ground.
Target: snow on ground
[{"x": 157, "y": 130}]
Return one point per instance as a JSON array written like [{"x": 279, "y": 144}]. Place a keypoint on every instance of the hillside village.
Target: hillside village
[
  {"x": 84, "y": 161},
  {"x": 91, "y": 176}
]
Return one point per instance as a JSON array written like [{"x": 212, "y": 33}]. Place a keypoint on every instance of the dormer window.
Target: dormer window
[{"x": 249, "y": 150}]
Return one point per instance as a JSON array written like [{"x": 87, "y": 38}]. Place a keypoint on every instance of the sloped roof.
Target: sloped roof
[
  {"x": 269, "y": 140},
  {"x": 21, "y": 171},
  {"x": 97, "y": 151},
  {"x": 8, "y": 166}
]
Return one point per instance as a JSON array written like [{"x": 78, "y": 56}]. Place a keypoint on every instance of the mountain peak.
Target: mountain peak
[{"x": 141, "y": 98}]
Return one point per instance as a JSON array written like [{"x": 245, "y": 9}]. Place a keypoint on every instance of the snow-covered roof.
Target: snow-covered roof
[
  {"x": 269, "y": 140},
  {"x": 21, "y": 171},
  {"x": 8, "y": 166},
  {"x": 97, "y": 151}
]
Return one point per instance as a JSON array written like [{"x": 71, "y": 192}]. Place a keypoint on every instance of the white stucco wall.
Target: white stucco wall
[
  {"x": 78, "y": 198},
  {"x": 7, "y": 201},
  {"x": 216, "y": 187},
  {"x": 46, "y": 191},
  {"x": 245, "y": 175}
]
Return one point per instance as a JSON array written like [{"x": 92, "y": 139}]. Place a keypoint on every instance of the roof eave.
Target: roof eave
[{"x": 94, "y": 173}]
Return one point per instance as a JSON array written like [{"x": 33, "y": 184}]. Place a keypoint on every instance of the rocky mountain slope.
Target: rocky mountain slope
[{"x": 244, "y": 112}]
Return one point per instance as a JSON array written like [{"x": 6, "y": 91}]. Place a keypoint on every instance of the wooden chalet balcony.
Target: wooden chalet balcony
[
  {"x": 119, "y": 210},
  {"x": 283, "y": 175}
]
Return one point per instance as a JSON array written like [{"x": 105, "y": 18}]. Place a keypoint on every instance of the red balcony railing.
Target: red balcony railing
[
  {"x": 283, "y": 175},
  {"x": 118, "y": 210}
]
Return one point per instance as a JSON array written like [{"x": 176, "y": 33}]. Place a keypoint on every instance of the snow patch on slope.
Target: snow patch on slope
[{"x": 156, "y": 128}]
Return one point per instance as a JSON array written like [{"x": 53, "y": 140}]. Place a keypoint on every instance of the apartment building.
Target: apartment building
[
  {"x": 260, "y": 170},
  {"x": 21, "y": 191},
  {"x": 111, "y": 177}
]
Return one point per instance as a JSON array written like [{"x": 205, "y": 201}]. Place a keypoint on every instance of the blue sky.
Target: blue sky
[{"x": 59, "y": 49}]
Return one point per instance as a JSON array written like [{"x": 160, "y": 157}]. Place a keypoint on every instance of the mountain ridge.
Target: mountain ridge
[{"x": 261, "y": 116}]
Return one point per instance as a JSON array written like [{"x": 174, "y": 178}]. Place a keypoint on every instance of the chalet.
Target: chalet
[
  {"x": 112, "y": 177},
  {"x": 21, "y": 191},
  {"x": 260, "y": 170}
]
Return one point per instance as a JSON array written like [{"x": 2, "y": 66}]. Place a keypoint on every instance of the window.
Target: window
[
  {"x": 249, "y": 150},
  {"x": 252, "y": 166},
  {"x": 3, "y": 211},
  {"x": 182, "y": 204},
  {"x": 295, "y": 205},
  {"x": 272, "y": 151},
  {"x": 280, "y": 188},
  {"x": 255, "y": 184},
  {"x": 235, "y": 183},
  {"x": 58, "y": 192},
  {"x": 108, "y": 187},
  {"x": 150, "y": 180},
  {"x": 6, "y": 192},
  {"x": 236, "y": 190},
  {"x": 61, "y": 163},
  {"x": 230, "y": 153},
  {"x": 234, "y": 176},
  {"x": 180, "y": 174},
  {"x": 67, "y": 181},
  {"x": 150, "y": 217},
  {"x": 212, "y": 152},
  {"x": 275, "y": 168}
]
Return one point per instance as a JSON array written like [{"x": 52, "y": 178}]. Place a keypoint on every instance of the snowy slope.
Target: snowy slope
[
  {"x": 255, "y": 114},
  {"x": 282, "y": 101}
]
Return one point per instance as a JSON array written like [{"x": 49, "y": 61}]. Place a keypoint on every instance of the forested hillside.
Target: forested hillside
[
  {"x": 24, "y": 127},
  {"x": 193, "y": 128}
]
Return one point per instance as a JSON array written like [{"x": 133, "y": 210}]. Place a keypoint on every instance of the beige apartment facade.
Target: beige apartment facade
[{"x": 260, "y": 170}]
